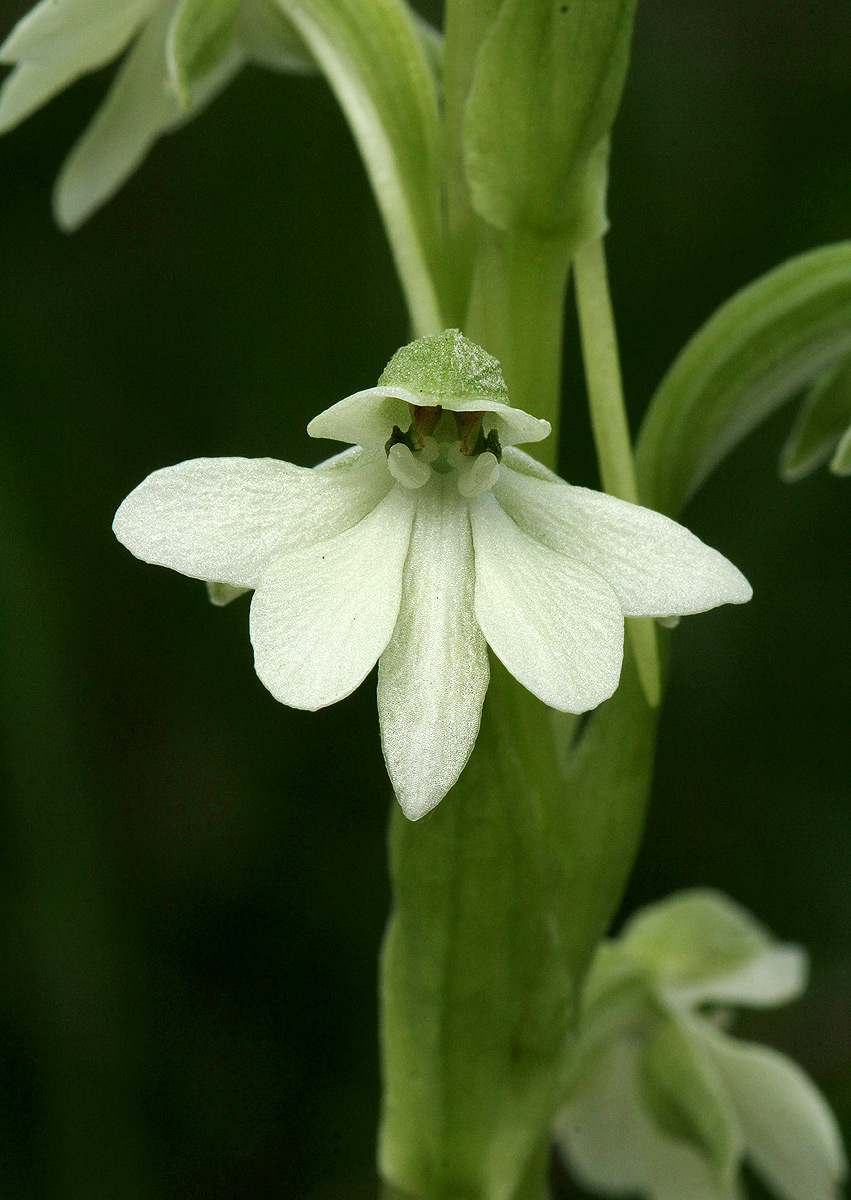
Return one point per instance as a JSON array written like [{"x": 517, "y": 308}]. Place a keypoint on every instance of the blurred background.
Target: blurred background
[{"x": 193, "y": 878}]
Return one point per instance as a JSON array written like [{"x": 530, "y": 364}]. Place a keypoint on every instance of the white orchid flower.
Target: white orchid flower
[
  {"x": 157, "y": 87},
  {"x": 665, "y": 1104},
  {"x": 430, "y": 540}
]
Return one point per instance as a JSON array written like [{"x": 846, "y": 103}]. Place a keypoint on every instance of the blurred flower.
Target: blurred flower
[
  {"x": 183, "y": 53},
  {"x": 433, "y": 537},
  {"x": 822, "y": 428},
  {"x": 666, "y": 1104}
]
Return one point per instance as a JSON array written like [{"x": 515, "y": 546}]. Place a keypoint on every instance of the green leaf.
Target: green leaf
[
  {"x": 686, "y": 1098},
  {"x": 270, "y": 40},
  {"x": 754, "y": 353},
  {"x": 199, "y": 36},
  {"x": 822, "y": 419},
  {"x": 500, "y": 897},
  {"x": 374, "y": 59},
  {"x": 840, "y": 464},
  {"x": 432, "y": 43},
  {"x": 694, "y": 935},
  {"x": 544, "y": 95}
]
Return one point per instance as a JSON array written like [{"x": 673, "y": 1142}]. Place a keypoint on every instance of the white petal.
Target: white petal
[
  {"x": 433, "y": 676},
  {"x": 703, "y": 947},
  {"x": 612, "y": 1144},
  {"x": 70, "y": 29},
  {"x": 790, "y": 1132},
  {"x": 140, "y": 106},
  {"x": 38, "y": 77},
  {"x": 512, "y": 424},
  {"x": 321, "y": 616},
  {"x": 655, "y": 566},
  {"x": 365, "y": 418},
  {"x": 774, "y": 977},
  {"x": 554, "y": 623},
  {"x": 227, "y": 519}
]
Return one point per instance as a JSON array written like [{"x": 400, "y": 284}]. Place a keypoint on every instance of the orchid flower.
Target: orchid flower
[
  {"x": 156, "y": 88},
  {"x": 431, "y": 539},
  {"x": 665, "y": 1103}
]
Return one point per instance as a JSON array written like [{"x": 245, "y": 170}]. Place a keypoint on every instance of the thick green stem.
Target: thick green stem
[
  {"x": 517, "y": 313},
  {"x": 609, "y": 421}
]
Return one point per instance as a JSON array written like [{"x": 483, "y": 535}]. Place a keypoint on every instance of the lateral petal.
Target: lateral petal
[
  {"x": 433, "y": 676},
  {"x": 655, "y": 566},
  {"x": 366, "y": 418},
  {"x": 553, "y": 621},
  {"x": 323, "y": 614},
  {"x": 227, "y": 519},
  {"x": 790, "y": 1133}
]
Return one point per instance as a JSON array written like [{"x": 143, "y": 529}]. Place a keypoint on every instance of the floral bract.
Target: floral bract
[
  {"x": 431, "y": 539},
  {"x": 665, "y": 1103}
]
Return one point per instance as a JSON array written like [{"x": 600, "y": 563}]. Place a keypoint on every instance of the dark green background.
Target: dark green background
[{"x": 192, "y": 877}]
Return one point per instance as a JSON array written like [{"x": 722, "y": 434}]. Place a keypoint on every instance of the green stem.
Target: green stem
[
  {"x": 517, "y": 312},
  {"x": 609, "y": 422},
  {"x": 465, "y": 26}
]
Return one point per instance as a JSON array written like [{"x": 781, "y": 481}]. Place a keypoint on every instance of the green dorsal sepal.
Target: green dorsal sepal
[{"x": 446, "y": 366}]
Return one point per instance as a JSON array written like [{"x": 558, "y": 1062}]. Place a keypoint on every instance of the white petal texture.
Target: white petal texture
[
  {"x": 56, "y": 43},
  {"x": 365, "y": 418},
  {"x": 227, "y": 519},
  {"x": 614, "y": 1146},
  {"x": 140, "y": 106},
  {"x": 419, "y": 547},
  {"x": 703, "y": 948},
  {"x": 774, "y": 977},
  {"x": 635, "y": 1092},
  {"x": 60, "y": 40},
  {"x": 555, "y": 623},
  {"x": 433, "y": 676},
  {"x": 790, "y": 1132},
  {"x": 655, "y": 566},
  {"x": 323, "y": 614}
]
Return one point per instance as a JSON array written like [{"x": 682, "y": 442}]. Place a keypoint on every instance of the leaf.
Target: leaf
[
  {"x": 374, "y": 60},
  {"x": 199, "y": 37},
  {"x": 687, "y": 1100},
  {"x": 432, "y": 43},
  {"x": 754, "y": 353},
  {"x": 840, "y": 464},
  {"x": 822, "y": 419},
  {"x": 544, "y": 95},
  {"x": 270, "y": 40}
]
